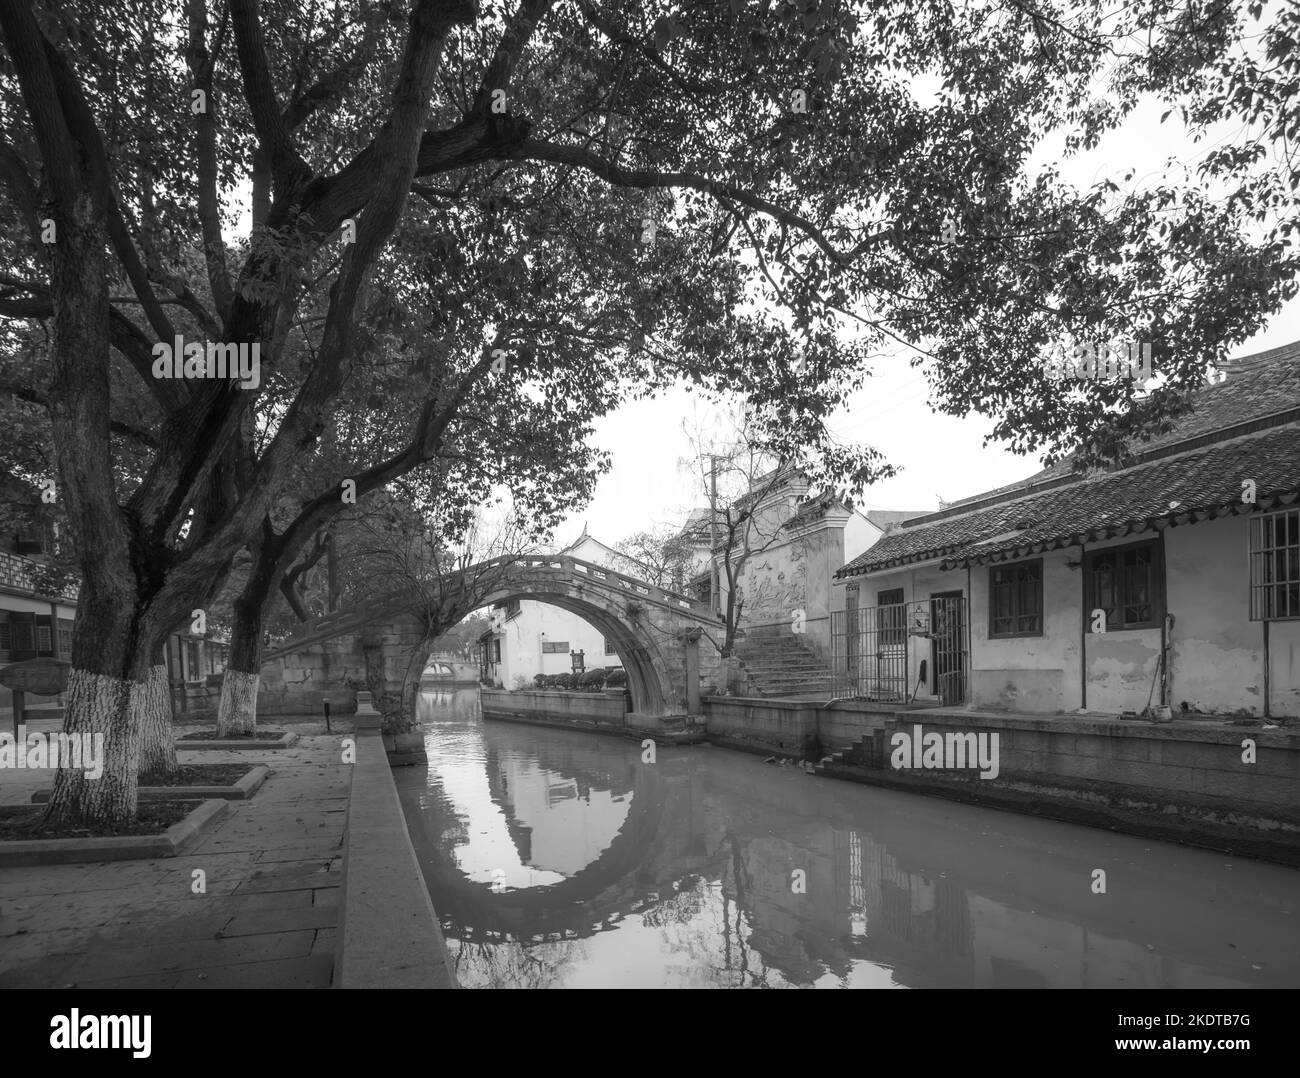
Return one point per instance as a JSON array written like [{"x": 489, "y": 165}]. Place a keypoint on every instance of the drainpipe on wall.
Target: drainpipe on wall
[
  {"x": 1165, "y": 625},
  {"x": 970, "y": 647},
  {"x": 1084, "y": 617},
  {"x": 1266, "y": 686}
]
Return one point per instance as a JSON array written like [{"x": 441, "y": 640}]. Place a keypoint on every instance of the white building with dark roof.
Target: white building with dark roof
[{"x": 1172, "y": 580}]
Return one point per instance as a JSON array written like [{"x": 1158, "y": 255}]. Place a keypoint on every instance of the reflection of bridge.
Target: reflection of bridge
[
  {"x": 657, "y": 634},
  {"x": 647, "y": 856},
  {"x": 974, "y": 898}
]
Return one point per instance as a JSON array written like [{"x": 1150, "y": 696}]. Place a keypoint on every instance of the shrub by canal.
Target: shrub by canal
[{"x": 613, "y": 677}]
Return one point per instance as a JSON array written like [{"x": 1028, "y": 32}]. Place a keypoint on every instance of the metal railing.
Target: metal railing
[{"x": 877, "y": 651}]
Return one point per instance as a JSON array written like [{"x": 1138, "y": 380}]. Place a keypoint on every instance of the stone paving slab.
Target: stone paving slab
[{"x": 267, "y": 917}]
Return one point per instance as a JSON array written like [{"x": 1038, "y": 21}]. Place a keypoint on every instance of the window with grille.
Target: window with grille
[
  {"x": 610, "y": 649},
  {"x": 6, "y": 637},
  {"x": 44, "y": 640},
  {"x": 1016, "y": 599},
  {"x": 891, "y": 617},
  {"x": 1275, "y": 566},
  {"x": 23, "y": 641},
  {"x": 1125, "y": 583},
  {"x": 555, "y": 647},
  {"x": 65, "y": 637}
]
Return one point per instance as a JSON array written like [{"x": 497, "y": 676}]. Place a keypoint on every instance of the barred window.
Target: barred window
[
  {"x": 1275, "y": 566},
  {"x": 1016, "y": 599},
  {"x": 1125, "y": 583},
  {"x": 610, "y": 649},
  {"x": 43, "y": 639}
]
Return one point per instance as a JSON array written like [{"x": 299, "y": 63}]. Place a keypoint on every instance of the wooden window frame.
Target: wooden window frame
[
  {"x": 891, "y": 617},
  {"x": 1017, "y": 615},
  {"x": 1156, "y": 598}
]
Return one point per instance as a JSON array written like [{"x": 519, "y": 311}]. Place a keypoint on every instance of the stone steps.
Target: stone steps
[{"x": 779, "y": 663}]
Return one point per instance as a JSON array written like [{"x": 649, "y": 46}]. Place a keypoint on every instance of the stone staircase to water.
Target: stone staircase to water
[
  {"x": 781, "y": 663},
  {"x": 867, "y": 752}
]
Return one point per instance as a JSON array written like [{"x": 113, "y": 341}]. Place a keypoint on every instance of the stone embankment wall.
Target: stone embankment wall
[{"x": 606, "y": 710}]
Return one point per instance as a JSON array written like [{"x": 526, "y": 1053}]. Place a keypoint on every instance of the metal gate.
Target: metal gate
[{"x": 877, "y": 650}]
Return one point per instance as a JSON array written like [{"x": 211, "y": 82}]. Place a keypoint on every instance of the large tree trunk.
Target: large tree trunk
[
  {"x": 157, "y": 737},
  {"x": 100, "y": 710},
  {"x": 237, "y": 711},
  {"x": 411, "y": 681}
]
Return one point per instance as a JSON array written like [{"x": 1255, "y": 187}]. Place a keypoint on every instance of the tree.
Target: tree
[
  {"x": 462, "y": 638},
  {"x": 439, "y": 580},
  {"x": 742, "y": 472},
  {"x": 469, "y": 433},
  {"x": 724, "y": 154},
  {"x": 665, "y": 554}
]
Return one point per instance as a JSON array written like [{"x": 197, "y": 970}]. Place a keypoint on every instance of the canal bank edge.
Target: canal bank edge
[
  {"x": 388, "y": 931},
  {"x": 1183, "y": 782}
]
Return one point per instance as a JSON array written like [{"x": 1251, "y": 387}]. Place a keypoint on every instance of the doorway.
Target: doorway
[{"x": 948, "y": 645}]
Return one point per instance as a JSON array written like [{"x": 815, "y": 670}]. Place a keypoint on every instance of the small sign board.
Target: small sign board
[
  {"x": 44, "y": 677},
  {"x": 579, "y": 665}
]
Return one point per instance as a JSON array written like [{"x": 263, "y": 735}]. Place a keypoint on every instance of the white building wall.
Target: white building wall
[
  {"x": 859, "y": 535},
  {"x": 1216, "y": 661},
  {"x": 522, "y": 636}
]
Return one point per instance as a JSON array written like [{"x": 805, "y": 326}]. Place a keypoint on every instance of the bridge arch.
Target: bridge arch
[{"x": 647, "y": 662}]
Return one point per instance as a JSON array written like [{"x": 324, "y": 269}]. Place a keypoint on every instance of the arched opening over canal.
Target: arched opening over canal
[{"x": 650, "y": 656}]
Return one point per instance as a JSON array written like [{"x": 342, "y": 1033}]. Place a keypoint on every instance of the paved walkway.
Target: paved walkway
[{"x": 268, "y": 917}]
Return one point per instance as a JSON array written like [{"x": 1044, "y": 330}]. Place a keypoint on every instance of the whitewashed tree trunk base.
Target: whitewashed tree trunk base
[
  {"x": 100, "y": 705},
  {"x": 237, "y": 712},
  {"x": 157, "y": 737}
]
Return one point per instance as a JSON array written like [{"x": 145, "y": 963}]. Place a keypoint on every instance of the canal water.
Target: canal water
[{"x": 557, "y": 858}]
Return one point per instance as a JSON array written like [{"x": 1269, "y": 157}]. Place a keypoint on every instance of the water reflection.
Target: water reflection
[{"x": 558, "y": 859}]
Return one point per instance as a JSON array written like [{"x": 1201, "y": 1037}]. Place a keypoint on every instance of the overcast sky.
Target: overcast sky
[{"x": 939, "y": 456}]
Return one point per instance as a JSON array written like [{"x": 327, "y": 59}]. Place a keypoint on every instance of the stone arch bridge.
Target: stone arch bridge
[
  {"x": 451, "y": 668},
  {"x": 668, "y": 644}
]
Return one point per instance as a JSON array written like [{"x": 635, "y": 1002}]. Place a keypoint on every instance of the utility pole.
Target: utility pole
[{"x": 713, "y": 532}]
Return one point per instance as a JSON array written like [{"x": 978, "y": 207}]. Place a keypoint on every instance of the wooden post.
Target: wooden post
[{"x": 18, "y": 710}]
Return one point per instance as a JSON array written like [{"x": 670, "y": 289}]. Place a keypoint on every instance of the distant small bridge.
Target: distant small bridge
[
  {"x": 662, "y": 638},
  {"x": 452, "y": 668}
]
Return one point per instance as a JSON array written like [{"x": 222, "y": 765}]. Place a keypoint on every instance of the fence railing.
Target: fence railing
[{"x": 877, "y": 651}]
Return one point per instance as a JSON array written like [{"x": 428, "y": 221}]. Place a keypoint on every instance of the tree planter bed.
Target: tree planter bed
[
  {"x": 168, "y": 842},
  {"x": 242, "y": 788},
  {"x": 207, "y": 739}
]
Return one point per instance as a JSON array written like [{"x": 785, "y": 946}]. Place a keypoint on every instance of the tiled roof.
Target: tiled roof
[
  {"x": 1247, "y": 428},
  {"x": 1257, "y": 385}
]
